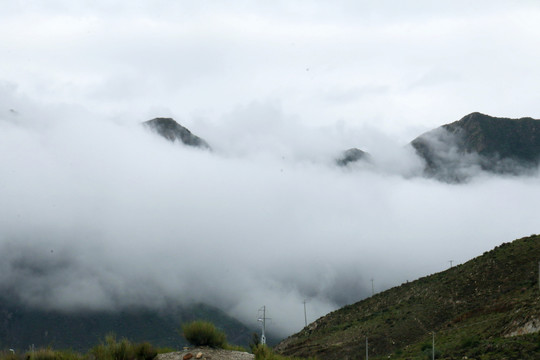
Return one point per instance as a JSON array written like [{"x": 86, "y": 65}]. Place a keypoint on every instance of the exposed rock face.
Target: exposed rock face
[
  {"x": 352, "y": 155},
  {"x": 480, "y": 142},
  {"x": 172, "y": 131}
]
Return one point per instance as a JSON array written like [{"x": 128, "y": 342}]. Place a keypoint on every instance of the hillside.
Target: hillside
[
  {"x": 485, "y": 306},
  {"x": 20, "y": 327},
  {"x": 477, "y": 141}
]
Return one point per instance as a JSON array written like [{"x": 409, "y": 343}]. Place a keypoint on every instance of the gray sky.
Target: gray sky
[{"x": 99, "y": 213}]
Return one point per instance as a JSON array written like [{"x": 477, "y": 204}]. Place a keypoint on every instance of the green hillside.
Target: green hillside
[{"x": 487, "y": 308}]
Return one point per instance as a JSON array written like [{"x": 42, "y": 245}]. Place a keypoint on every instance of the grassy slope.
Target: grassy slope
[{"x": 471, "y": 307}]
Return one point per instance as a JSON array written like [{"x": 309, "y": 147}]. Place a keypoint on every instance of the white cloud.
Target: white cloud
[
  {"x": 99, "y": 213},
  {"x": 279, "y": 89}
]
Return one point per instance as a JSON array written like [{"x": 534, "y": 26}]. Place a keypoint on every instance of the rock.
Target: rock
[
  {"x": 187, "y": 356},
  {"x": 198, "y": 356}
]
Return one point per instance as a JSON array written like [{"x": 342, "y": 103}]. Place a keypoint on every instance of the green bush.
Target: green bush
[
  {"x": 122, "y": 350},
  {"x": 203, "y": 333},
  {"x": 145, "y": 351},
  {"x": 255, "y": 342}
]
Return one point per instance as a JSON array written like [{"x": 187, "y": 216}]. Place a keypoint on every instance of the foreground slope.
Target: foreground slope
[{"x": 477, "y": 306}]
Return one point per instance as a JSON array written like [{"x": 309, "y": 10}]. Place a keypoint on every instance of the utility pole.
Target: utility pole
[
  {"x": 433, "y": 348},
  {"x": 372, "y": 288},
  {"x": 367, "y": 352},
  {"x": 263, "y": 321},
  {"x": 305, "y": 316},
  {"x": 450, "y": 261}
]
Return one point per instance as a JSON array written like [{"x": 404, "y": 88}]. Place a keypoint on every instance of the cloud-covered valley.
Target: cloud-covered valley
[{"x": 97, "y": 212}]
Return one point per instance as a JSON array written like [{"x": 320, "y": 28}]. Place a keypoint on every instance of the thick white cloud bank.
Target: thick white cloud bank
[{"x": 98, "y": 213}]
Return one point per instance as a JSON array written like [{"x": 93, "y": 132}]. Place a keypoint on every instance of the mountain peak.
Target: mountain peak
[
  {"x": 173, "y": 131},
  {"x": 499, "y": 145},
  {"x": 352, "y": 155}
]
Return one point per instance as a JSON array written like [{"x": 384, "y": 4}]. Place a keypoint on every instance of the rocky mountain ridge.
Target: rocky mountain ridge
[
  {"x": 496, "y": 145},
  {"x": 453, "y": 152},
  {"x": 173, "y": 131}
]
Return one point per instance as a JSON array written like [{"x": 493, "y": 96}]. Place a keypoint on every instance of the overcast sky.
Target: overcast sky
[{"x": 92, "y": 203}]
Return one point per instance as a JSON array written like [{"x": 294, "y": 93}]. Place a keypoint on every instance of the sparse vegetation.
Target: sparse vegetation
[
  {"x": 255, "y": 342},
  {"x": 204, "y": 333},
  {"x": 477, "y": 310},
  {"x": 110, "y": 349},
  {"x": 263, "y": 352}
]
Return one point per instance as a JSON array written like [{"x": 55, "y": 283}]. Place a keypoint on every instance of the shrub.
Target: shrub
[
  {"x": 122, "y": 350},
  {"x": 255, "y": 342},
  {"x": 145, "y": 351},
  {"x": 203, "y": 333}
]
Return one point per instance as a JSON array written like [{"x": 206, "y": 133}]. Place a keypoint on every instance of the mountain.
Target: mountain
[
  {"x": 351, "y": 156},
  {"x": 20, "y": 326},
  {"x": 455, "y": 151},
  {"x": 488, "y": 307},
  {"x": 172, "y": 131}
]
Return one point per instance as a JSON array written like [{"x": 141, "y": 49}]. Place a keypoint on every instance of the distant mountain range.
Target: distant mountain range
[
  {"x": 487, "y": 308},
  {"x": 21, "y": 326},
  {"x": 453, "y": 152}
]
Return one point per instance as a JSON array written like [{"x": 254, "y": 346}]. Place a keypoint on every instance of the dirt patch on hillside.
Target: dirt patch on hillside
[{"x": 207, "y": 353}]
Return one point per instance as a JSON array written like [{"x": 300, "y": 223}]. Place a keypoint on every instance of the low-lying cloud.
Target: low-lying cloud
[{"x": 100, "y": 213}]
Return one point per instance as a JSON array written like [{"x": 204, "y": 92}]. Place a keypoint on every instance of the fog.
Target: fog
[
  {"x": 100, "y": 213},
  {"x": 96, "y": 212}
]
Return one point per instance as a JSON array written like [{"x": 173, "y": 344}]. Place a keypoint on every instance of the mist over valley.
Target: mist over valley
[{"x": 161, "y": 161}]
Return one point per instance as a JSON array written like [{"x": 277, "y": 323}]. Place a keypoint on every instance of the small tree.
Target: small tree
[{"x": 203, "y": 333}]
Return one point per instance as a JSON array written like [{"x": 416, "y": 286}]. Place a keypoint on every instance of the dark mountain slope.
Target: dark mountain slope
[
  {"x": 172, "y": 131},
  {"x": 471, "y": 307},
  {"x": 498, "y": 145},
  {"x": 20, "y": 327},
  {"x": 351, "y": 156}
]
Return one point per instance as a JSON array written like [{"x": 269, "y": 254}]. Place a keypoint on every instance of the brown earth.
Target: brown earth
[{"x": 207, "y": 353}]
